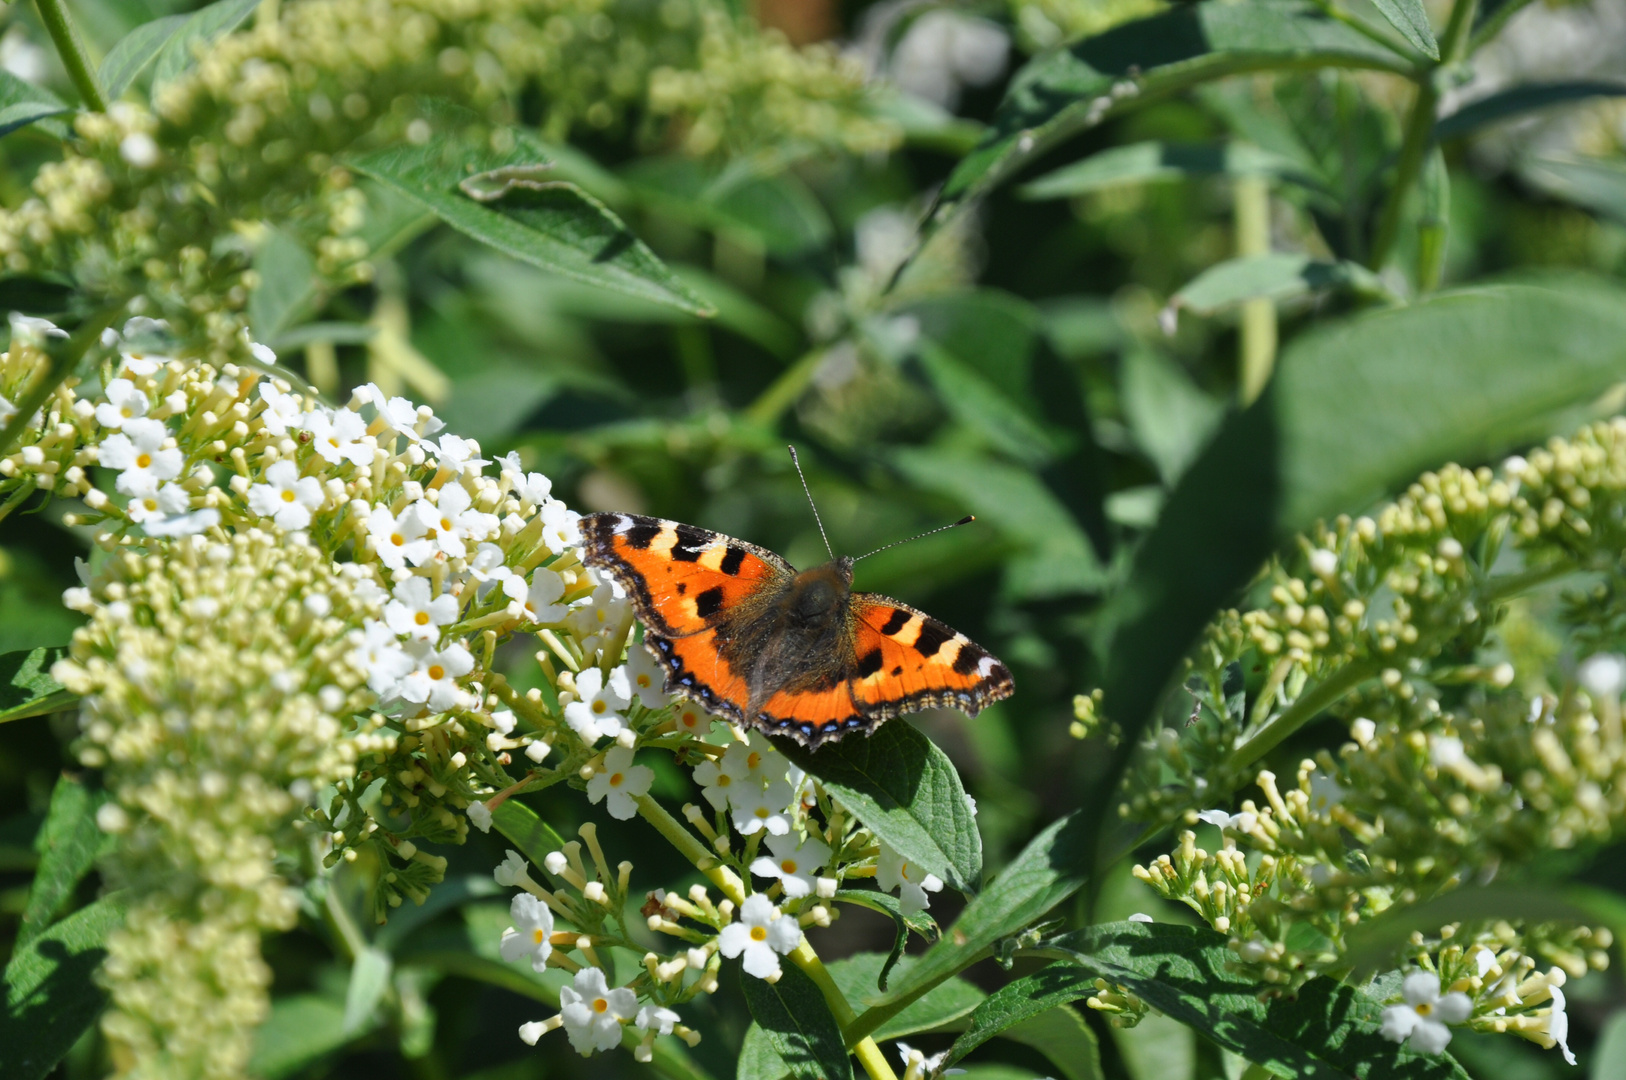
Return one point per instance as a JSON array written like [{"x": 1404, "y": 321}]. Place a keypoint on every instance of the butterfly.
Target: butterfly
[{"x": 789, "y": 652}]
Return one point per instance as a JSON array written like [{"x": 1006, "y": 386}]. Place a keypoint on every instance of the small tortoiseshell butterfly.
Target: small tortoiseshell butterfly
[{"x": 740, "y": 630}]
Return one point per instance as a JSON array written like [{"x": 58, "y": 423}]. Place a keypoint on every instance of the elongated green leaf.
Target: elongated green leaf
[
  {"x": 944, "y": 1009},
  {"x": 799, "y": 1025},
  {"x": 919, "y": 921},
  {"x": 758, "y": 1059},
  {"x": 26, "y": 686},
  {"x": 1024, "y": 999},
  {"x": 1159, "y": 1048},
  {"x": 1609, "y": 1055},
  {"x": 908, "y": 793},
  {"x": 300, "y": 1030},
  {"x": 287, "y": 292},
  {"x": 22, "y": 103},
  {"x": 1325, "y": 1030},
  {"x": 1521, "y": 99},
  {"x": 1062, "y": 93},
  {"x": 51, "y": 995},
  {"x": 1140, "y": 163},
  {"x": 202, "y": 28},
  {"x": 555, "y": 226},
  {"x": 1062, "y": 1035},
  {"x": 1357, "y": 407},
  {"x": 134, "y": 51},
  {"x": 1411, "y": 20},
  {"x": 775, "y": 212},
  {"x": 1046, "y": 872},
  {"x": 68, "y": 845},
  {"x": 1171, "y": 417},
  {"x": 533, "y": 836},
  {"x": 1279, "y": 276},
  {"x": 1595, "y": 184},
  {"x": 369, "y": 979},
  {"x": 35, "y": 295},
  {"x": 980, "y": 405}
]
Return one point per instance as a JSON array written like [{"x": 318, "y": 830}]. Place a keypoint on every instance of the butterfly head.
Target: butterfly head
[{"x": 821, "y": 593}]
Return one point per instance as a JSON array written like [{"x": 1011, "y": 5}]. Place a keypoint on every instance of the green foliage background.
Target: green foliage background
[{"x": 1018, "y": 369}]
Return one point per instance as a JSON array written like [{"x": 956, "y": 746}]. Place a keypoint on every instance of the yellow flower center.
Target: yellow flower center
[
  {"x": 537, "y": 935},
  {"x": 615, "y": 780},
  {"x": 599, "y": 707},
  {"x": 724, "y": 780},
  {"x": 437, "y": 672},
  {"x": 1424, "y": 1008},
  {"x": 143, "y": 461},
  {"x": 421, "y": 618},
  {"x": 788, "y": 866},
  {"x": 753, "y": 760},
  {"x": 759, "y": 933},
  {"x": 288, "y": 495},
  {"x": 763, "y": 812},
  {"x": 601, "y": 1005},
  {"x": 397, "y": 539}
]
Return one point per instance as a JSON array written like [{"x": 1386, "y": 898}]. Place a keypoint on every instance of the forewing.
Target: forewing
[
  {"x": 908, "y": 661},
  {"x": 681, "y": 579}
]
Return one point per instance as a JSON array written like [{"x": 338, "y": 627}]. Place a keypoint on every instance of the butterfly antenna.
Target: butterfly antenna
[
  {"x": 794, "y": 460},
  {"x": 968, "y": 519}
]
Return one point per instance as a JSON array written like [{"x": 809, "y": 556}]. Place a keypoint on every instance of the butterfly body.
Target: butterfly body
[{"x": 796, "y": 653}]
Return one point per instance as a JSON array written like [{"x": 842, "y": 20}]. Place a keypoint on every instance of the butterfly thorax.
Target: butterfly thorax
[{"x": 793, "y": 640}]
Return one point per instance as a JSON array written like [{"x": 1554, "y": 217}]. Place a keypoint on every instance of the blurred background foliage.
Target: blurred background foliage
[{"x": 1026, "y": 367}]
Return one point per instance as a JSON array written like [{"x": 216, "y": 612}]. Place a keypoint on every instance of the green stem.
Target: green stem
[
  {"x": 71, "y": 48},
  {"x": 1413, "y": 152},
  {"x": 1258, "y": 327},
  {"x": 783, "y": 391},
  {"x": 1301, "y": 712}
]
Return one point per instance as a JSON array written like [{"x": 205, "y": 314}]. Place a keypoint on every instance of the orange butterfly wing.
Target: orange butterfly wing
[
  {"x": 907, "y": 661},
  {"x": 681, "y": 579}
]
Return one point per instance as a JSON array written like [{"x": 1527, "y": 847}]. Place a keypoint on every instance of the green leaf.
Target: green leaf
[
  {"x": 1521, "y": 99},
  {"x": 202, "y": 29},
  {"x": 35, "y": 295},
  {"x": 799, "y": 1025},
  {"x": 369, "y": 979},
  {"x": 775, "y": 212},
  {"x": 907, "y": 792},
  {"x": 1595, "y": 184},
  {"x": 982, "y": 406},
  {"x": 1411, "y": 20},
  {"x": 22, "y": 103},
  {"x": 26, "y": 686},
  {"x": 1357, "y": 407},
  {"x": 1140, "y": 163},
  {"x": 301, "y": 1029},
  {"x": 1056, "y": 558},
  {"x": 1062, "y": 1035},
  {"x": 1020, "y": 1001},
  {"x": 1278, "y": 276},
  {"x": 758, "y": 1059},
  {"x": 288, "y": 288},
  {"x": 1046, "y": 872},
  {"x": 1157, "y": 1048},
  {"x": 887, "y": 904},
  {"x": 1325, "y": 1030},
  {"x": 68, "y": 845},
  {"x": 51, "y": 992},
  {"x": 534, "y": 837},
  {"x": 555, "y": 226},
  {"x": 1171, "y": 417},
  {"x": 946, "y": 1007},
  {"x": 1062, "y": 93},
  {"x": 1609, "y": 1054},
  {"x": 134, "y": 51}
]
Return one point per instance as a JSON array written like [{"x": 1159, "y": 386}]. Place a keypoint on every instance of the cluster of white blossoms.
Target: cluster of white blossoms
[{"x": 299, "y": 604}]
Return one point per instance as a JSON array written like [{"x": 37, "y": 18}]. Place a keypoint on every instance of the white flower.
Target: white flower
[
  {"x": 433, "y": 680},
  {"x": 1242, "y": 822},
  {"x": 942, "y": 50},
  {"x": 137, "y": 452},
  {"x": 378, "y": 651},
  {"x": 593, "y": 1012},
  {"x": 893, "y": 871},
  {"x": 167, "y": 501},
  {"x": 1602, "y": 674},
  {"x": 489, "y": 566},
  {"x": 399, "y": 414},
  {"x": 1446, "y": 752},
  {"x": 451, "y": 521},
  {"x": 460, "y": 455},
  {"x": 1363, "y": 730},
  {"x": 34, "y": 330},
  {"x": 535, "y": 603},
  {"x": 561, "y": 527},
  {"x": 694, "y": 722},
  {"x": 757, "y": 808},
  {"x": 795, "y": 863},
  {"x": 646, "y": 678},
  {"x": 916, "y": 1065},
  {"x": 1325, "y": 793},
  {"x": 1141, "y": 916},
  {"x": 340, "y": 436},
  {"x": 761, "y": 936},
  {"x": 1556, "y": 1026},
  {"x": 715, "y": 783},
  {"x": 416, "y": 614},
  {"x": 1423, "y": 1018},
  {"x": 183, "y": 524},
  {"x": 480, "y": 816},
  {"x": 597, "y": 712},
  {"x": 656, "y": 1018},
  {"x": 124, "y": 402},
  {"x": 287, "y": 498},
  {"x": 620, "y": 782},
  {"x": 529, "y": 937},
  {"x": 512, "y": 870},
  {"x": 282, "y": 411},
  {"x": 1323, "y": 563},
  {"x": 399, "y": 539},
  {"x": 260, "y": 352}
]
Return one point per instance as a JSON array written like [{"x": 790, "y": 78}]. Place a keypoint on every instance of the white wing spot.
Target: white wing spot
[{"x": 984, "y": 666}]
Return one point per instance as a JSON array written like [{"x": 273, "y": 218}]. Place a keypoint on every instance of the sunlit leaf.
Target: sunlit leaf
[
  {"x": 202, "y": 28},
  {"x": 1595, "y": 184},
  {"x": 22, "y": 103},
  {"x": 1140, "y": 163},
  {"x": 68, "y": 845},
  {"x": 26, "y": 686},
  {"x": 51, "y": 990},
  {"x": 799, "y": 1025},
  {"x": 1411, "y": 20},
  {"x": 1278, "y": 276}
]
